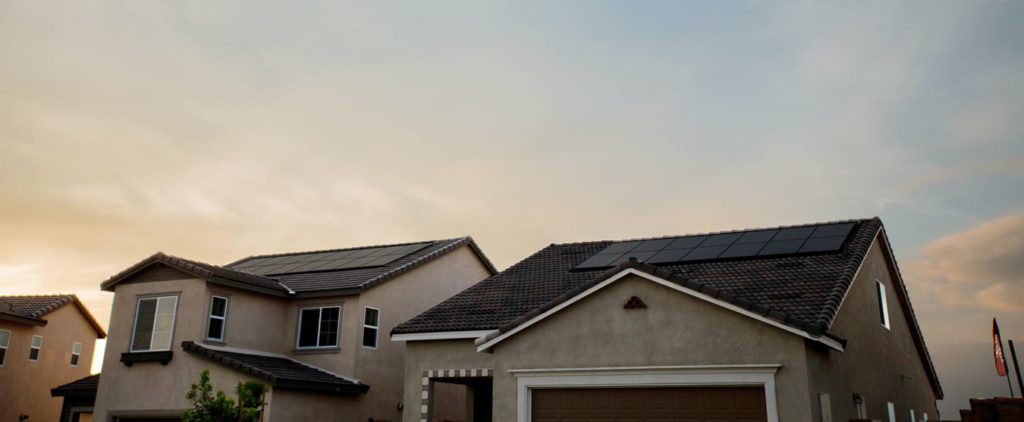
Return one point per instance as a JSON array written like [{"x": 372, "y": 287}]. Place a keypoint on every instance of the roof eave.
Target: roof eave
[{"x": 22, "y": 319}]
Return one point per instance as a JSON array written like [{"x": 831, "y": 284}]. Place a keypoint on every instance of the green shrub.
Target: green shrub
[{"x": 210, "y": 407}]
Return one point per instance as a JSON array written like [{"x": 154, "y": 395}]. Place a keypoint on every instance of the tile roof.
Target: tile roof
[
  {"x": 84, "y": 387},
  {"x": 199, "y": 269},
  {"x": 803, "y": 290},
  {"x": 31, "y": 309},
  {"x": 281, "y": 371}
]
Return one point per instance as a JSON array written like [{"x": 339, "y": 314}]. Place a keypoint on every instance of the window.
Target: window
[
  {"x": 912, "y": 418},
  {"x": 318, "y": 327},
  {"x": 892, "y": 411},
  {"x": 883, "y": 309},
  {"x": 924, "y": 416},
  {"x": 862, "y": 409},
  {"x": 76, "y": 351},
  {"x": 37, "y": 343},
  {"x": 154, "y": 323},
  {"x": 371, "y": 321},
  {"x": 5, "y": 340},
  {"x": 218, "y": 316}
]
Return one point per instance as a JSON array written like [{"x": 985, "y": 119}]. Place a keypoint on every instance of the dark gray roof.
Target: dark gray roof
[
  {"x": 307, "y": 283},
  {"x": 84, "y": 387},
  {"x": 280, "y": 371},
  {"x": 30, "y": 309}
]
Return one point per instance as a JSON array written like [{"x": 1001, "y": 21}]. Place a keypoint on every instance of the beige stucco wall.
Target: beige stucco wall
[
  {"x": 265, "y": 323},
  {"x": 675, "y": 329},
  {"x": 882, "y": 365},
  {"x": 25, "y": 385}
]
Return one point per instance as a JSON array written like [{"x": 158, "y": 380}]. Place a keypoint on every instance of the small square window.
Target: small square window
[
  {"x": 371, "y": 324},
  {"x": 37, "y": 343},
  {"x": 76, "y": 351}
]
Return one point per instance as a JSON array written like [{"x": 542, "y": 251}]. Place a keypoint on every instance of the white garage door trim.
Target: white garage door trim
[{"x": 646, "y": 376}]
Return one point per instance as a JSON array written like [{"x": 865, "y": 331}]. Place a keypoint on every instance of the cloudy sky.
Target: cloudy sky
[{"x": 218, "y": 130}]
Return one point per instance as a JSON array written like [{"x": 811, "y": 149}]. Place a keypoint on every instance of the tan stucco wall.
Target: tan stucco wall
[
  {"x": 269, "y": 324},
  {"x": 25, "y": 385},
  {"x": 675, "y": 329},
  {"x": 882, "y": 365}
]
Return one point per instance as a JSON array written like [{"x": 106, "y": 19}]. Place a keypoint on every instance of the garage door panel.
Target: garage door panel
[{"x": 668, "y": 404}]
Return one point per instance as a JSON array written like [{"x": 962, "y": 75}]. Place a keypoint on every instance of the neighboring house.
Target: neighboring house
[
  {"x": 311, "y": 326},
  {"x": 794, "y": 324},
  {"x": 45, "y": 341},
  {"x": 79, "y": 399}
]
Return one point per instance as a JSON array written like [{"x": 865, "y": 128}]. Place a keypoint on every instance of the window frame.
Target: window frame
[
  {"x": 3, "y": 358},
  {"x": 76, "y": 357},
  {"x": 319, "y": 324},
  {"x": 883, "y": 304},
  {"x": 892, "y": 411},
  {"x": 33, "y": 348},
  {"x": 376, "y": 328},
  {"x": 135, "y": 323},
  {"x": 223, "y": 319}
]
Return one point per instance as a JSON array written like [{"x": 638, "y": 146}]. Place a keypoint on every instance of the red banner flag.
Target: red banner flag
[{"x": 997, "y": 349}]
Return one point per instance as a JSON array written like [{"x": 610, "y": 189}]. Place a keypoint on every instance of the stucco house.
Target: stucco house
[
  {"x": 311, "y": 326},
  {"x": 45, "y": 341},
  {"x": 797, "y": 323}
]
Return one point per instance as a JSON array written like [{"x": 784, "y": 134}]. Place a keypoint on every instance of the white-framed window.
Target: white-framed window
[
  {"x": 912, "y": 417},
  {"x": 218, "y": 318},
  {"x": 892, "y": 411},
  {"x": 5, "y": 340},
  {"x": 319, "y": 327},
  {"x": 924, "y": 417},
  {"x": 76, "y": 352},
  {"x": 37, "y": 343},
  {"x": 371, "y": 324},
  {"x": 154, "y": 323},
  {"x": 883, "y": 307}
]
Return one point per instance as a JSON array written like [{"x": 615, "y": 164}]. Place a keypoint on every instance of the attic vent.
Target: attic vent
[{"x": 634, "y": 303}]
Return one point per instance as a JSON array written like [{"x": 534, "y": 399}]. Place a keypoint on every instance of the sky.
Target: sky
[{"x": 219, "y": 130}]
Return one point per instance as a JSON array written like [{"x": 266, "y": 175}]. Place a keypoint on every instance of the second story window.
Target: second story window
[
  {"x": 218, "y": 316},
  {"x": 319, "y": 327},
  {"x": 5, "y": 340},
  {"x": 76, "y": 352},
  {"x": 883, "y": 308},
  {"x": 37, "y": 343},
  {"x": 154, "y": 323},
  {"x": 371, "y": 323}
]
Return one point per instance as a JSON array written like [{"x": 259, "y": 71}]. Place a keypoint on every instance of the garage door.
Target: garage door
[{"x": 689, "y": 404}]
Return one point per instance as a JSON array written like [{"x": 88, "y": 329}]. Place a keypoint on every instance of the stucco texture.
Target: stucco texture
[
  {"x": 675, "y": 329},
  {"x": 25, "y": 385}
]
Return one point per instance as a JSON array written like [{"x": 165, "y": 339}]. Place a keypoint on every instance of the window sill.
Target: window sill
[
  {"x": 133, "y": 357},
  {"x": 316, "y": 351},
  {"x": 215, "y": 342}
]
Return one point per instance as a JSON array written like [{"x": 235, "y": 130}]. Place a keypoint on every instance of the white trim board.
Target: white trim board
[
  {"x": 447, "y": 335},
  {"x": 646, "y": 376},
  {"x": 632, "y": 271}
]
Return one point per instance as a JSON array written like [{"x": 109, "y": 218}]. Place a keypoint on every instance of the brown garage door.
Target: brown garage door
[{"x": 689, "y": 404}]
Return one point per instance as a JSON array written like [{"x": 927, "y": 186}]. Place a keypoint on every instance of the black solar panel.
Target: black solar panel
[
  {"x": 327, "y": 261},
  {"x": 753, "y": 243}
]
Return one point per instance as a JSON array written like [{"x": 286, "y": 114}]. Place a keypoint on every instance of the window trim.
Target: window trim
[
  {"x": 298, "y": 329},
  {"x": 892, "y": 411},
  {"x": 376, "y": 328},
  {"x": 224, "y": 319},
  {"x": 5, "y": 347},
  {"x": 32, "y": 347},
  {"x": 74, "y": 362},
  {"x": 883, "y": 304},
  {"x": 135, "y": 324}
]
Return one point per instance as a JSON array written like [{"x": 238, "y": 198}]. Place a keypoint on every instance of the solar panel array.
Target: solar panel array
[
  {"x": 770, "y": 242},
  {"x": 327, "y": 261}
]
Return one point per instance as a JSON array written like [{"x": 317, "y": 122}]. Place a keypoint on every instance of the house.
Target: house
[
  {"x": 798, "y": 323},
  {"x": 311, "y": 326},
  {"x": 45, "y": 341},
  {"x": 79, "y": 398}
]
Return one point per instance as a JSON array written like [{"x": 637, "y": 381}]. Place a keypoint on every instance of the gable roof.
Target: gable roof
[
  {"x": 30, "y": 309},
  {"x": 801, "y": 291},
  {"x": 308, "y": 283},
  {"x": 281, "y": 371},
  {"x": 85, "y": 387}
]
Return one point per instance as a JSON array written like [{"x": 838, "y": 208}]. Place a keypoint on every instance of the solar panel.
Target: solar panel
[
  {"x": 652, "y": 245},
  {"x": 621, "y": 247},
  {"x": 822, "y": 244},
  {"x": 328, "y": 261},
  {"x": 794, "y": 233},
  {"x": 724, "y": 239},
  {"x": 686, "y": 242},
  {"x": 601, "y": 260},
  {"x": 704, "y": 252},
  {"x": 757, "y": 236},
  {"x": 781, "y": 247},
  {"x": 833, "y": 230},
  {"x": 740, "y": 250},
  {"x": 669, "y": 255}
]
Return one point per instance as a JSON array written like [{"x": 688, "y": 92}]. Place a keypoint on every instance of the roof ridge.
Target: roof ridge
[
  {"x": 274, "y": 255},
  {"x": 790, "y": 226}
]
